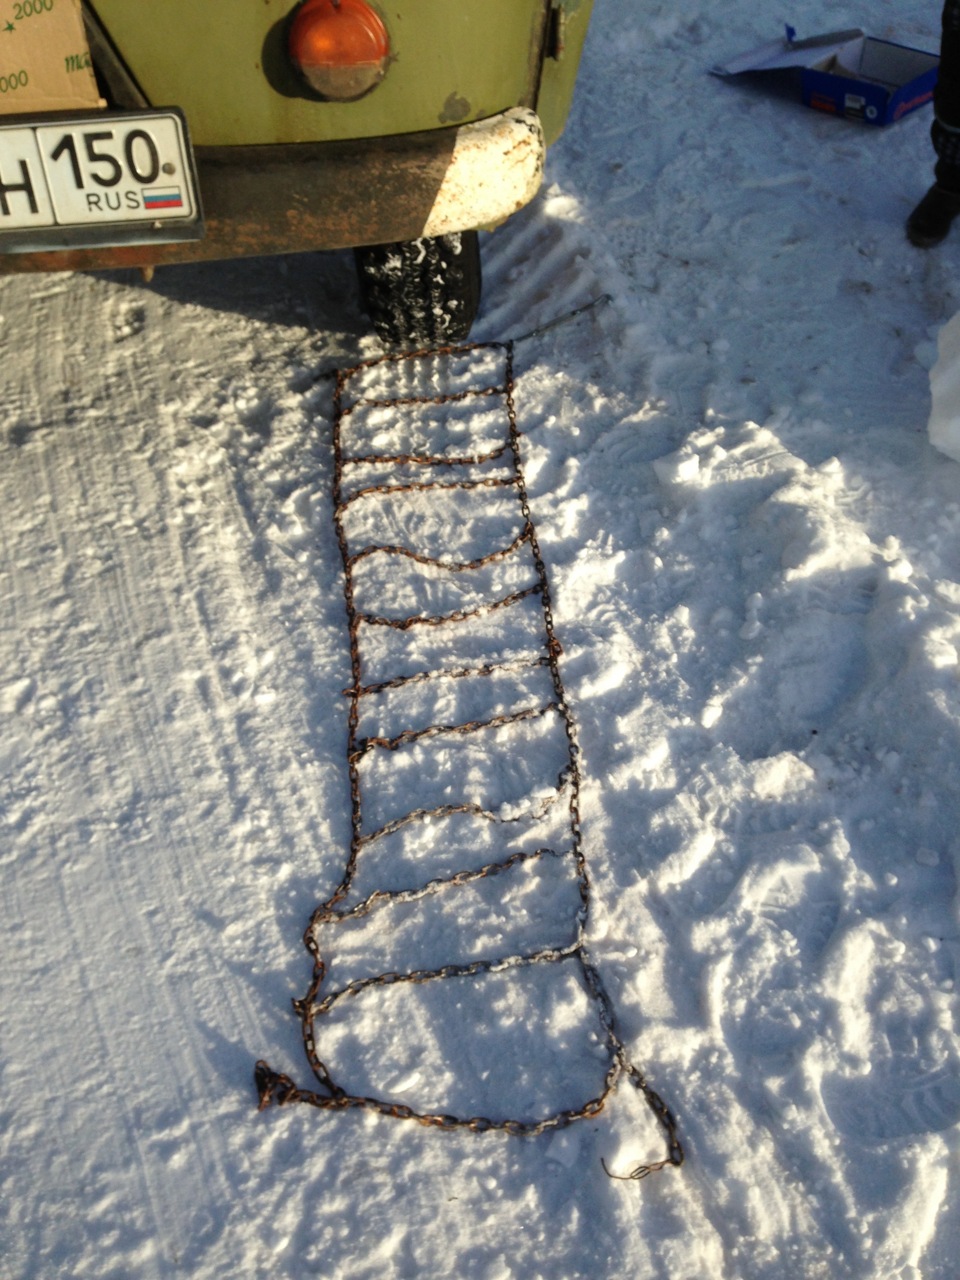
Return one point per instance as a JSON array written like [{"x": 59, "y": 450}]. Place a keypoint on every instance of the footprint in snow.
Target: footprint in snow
[
  {"x": 790, "y": 911},
  {"x": 803, "y": 903},
  {"x": 894, "y": 1100}
]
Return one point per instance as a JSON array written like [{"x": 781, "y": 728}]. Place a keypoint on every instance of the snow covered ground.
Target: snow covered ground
[{"x": 755, "y": 560}]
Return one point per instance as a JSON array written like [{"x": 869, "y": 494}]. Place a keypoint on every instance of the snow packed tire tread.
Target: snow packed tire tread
[{"x": 421, "y": 293}]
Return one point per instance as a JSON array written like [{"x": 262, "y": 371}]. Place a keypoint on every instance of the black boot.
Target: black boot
[{"x": 931, "y": 220}]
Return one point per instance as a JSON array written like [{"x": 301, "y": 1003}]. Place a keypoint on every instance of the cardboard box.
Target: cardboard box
[
  {"x": 845, "y": 73},
  {"x": 45, "y": 62}
]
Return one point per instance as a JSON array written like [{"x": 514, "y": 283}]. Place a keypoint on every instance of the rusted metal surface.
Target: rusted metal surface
[
  {"x": 288, "y": 199},
  {"x": 406, "y": 389}
]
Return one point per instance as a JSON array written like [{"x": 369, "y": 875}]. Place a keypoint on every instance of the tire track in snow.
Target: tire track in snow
[{"x": 117, "y": 747}]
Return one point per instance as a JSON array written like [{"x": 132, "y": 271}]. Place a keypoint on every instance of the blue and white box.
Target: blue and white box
[{"x": 845, "y": 73}]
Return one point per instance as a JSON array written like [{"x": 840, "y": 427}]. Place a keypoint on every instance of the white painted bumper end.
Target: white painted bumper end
[{"x": 496, "y": 168}]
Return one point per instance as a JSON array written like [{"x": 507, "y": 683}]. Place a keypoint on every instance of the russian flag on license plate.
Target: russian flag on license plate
[{"x": 162, "y": 198}]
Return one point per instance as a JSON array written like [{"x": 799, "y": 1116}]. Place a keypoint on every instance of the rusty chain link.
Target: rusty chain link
[{"x": 275, "y": 1087}]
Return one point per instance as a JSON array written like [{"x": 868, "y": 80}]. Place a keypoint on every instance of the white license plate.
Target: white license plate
[{"x": 93, "y": 173}]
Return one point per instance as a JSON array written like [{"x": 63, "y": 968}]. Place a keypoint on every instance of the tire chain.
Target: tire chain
[{"x": 274, "y": 1086}]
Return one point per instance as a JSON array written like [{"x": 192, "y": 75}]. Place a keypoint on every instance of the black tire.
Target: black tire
[{"x": 421, "y": 293}]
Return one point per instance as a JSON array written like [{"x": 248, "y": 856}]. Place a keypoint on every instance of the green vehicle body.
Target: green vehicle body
[
  {"x": 453, "y": 61},
  {"x": 281, "y": 171}
]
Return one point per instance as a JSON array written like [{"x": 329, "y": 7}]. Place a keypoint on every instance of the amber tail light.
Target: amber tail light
[{"x": 340, "y": 47}]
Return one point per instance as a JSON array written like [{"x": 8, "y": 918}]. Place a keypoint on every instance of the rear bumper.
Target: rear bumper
[{"x": 334, "y": 195}]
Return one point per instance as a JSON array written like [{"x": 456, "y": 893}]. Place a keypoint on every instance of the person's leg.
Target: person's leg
[{"x": 931, "y": 220}]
